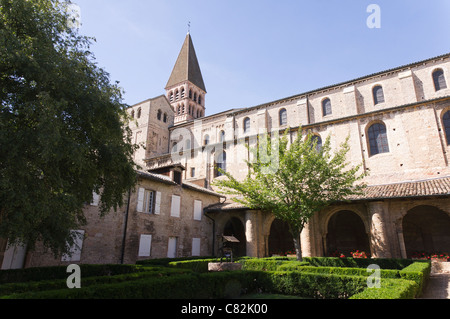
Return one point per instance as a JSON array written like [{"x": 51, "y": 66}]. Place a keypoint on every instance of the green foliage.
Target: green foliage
[
  {"x": 383, "y": 263},
  {"x": 63, "y": 127},
  {"x": 390, "y": 289},
  {"x": 286, "y": 277},
  {"x": 294, "y": 182}
]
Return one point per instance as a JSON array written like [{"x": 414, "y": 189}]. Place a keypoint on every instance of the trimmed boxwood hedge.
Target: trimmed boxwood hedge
[{"x": 188, "y": 279}]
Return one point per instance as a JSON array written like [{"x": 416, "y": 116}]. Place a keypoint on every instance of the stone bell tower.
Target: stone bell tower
[{"x": 185, "y": 89}]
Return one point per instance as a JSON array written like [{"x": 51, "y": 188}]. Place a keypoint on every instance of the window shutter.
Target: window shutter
[
  {"x": 95, "y": 199},
  {"x": 172, "y": 247},
  {"x": 145, "y": 245},
  {"x": 175, "y": 208},
  {"x": 158, "y": 203},
  {"x": 140, "y": 200},
  {"x": 197, "y": 209},
  {"x": 195, "y": 246}
]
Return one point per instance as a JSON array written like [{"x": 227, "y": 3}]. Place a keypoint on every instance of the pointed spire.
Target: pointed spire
[{"x": 186, "y": 67}]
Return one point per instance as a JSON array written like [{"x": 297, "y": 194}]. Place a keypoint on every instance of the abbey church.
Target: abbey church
[{"x": 398, "y": 123}]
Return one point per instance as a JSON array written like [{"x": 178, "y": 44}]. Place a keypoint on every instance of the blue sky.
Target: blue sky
[{"x": 257, "y": 51}]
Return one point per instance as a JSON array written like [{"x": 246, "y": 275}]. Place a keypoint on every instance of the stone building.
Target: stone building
[{"x": 398, "y": 124}]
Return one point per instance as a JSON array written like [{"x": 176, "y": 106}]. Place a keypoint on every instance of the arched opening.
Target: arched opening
[
  {"x": 234, "y": 227},
  {"x": 280, "y": 239},
  {"x": 346, "y": 234},
  {"x": 426, "y": 229}
]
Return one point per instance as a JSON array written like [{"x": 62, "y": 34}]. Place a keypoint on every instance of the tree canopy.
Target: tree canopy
[
  {"x": 294, "y": 181},
  {"x": 63, "y": 127}
]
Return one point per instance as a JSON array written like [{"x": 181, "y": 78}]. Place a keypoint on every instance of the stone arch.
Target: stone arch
[
  {"x": 346, "y": 231},
  {"x": 280, "y": 239},
  {"x": 426, "y": 228},
  {"x": 235, "y": 227}
]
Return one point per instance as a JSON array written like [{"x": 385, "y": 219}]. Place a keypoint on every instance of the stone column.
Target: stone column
[
  {"x": 251, "y": 233},
  {"x": 379, "y": 240},
  {"x": 305, "y": 240}
]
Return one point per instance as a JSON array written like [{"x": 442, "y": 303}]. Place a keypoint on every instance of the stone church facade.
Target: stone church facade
[{"x": 398, "y": 124}]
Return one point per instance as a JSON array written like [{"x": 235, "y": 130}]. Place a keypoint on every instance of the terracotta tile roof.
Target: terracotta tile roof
[
  {"x": 414, "y": 189},
  {"x": 423, "y": 188}
]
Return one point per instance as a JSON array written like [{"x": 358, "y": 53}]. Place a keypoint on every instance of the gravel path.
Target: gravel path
[{"x": 438, "y": 286}]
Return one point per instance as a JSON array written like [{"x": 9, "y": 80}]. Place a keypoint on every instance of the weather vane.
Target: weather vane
[{"x": 189, "y": 27}]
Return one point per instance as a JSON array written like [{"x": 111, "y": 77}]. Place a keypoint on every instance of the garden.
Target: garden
[{"x": 189, "y": 278}]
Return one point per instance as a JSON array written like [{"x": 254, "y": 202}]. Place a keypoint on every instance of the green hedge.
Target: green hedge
[
  {"x": 195, "y": 265},
  {"x": 268, "y": 264},
  {"x": 419, "y": 272},
  {"x": 383, "y": 263},
  {"x": 60, "y": 272},
  {"x": 166, "y": 261},
  {"x": 36, "y": 286},
  {"x": 390, "y": 289}
]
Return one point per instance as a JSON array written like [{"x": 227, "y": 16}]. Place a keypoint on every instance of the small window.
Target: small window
[
  {"x": 132, "y": 113},
  {"x": 326, "y": 107},
  {"x": 318, "y": 139},
  {"x": 446, "y": 122},
  {"x": 283, "y": 117},
  {"x": 192, "y": 171},
  {"x": 221, "y": 163},
  {"x": 190, "y": 94},
  {"x": 378, "y": 142},
  {"x": 139, "y": 113},
  {"x": 378, "y": 96},
  {"x": 177, "y": 177},
  {"x": 197, "y": 209},
  {"x": 158, "y": 116},
  {"x": 145, "y": 245},
  {"x": 206, "y": 140},
  {"x": 165, "y": 118},
  {"x": 177, "y": 95},
  {"x": 182, "y": 93},
  {"x": 200, "y": 99},
  {"x": 222, "y": 136},
  {"x": 175, "y": 206},
  {"x": 439, "y": 80},
  {"x": 146, "y": 201},
  {"x": 246, "y": 125},
  {"x": 171, "y": 97}
]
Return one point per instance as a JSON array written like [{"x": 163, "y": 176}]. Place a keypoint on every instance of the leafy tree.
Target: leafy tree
[
  {"x": 63, "y": 127},
  {"x": 294, "y": 182}
]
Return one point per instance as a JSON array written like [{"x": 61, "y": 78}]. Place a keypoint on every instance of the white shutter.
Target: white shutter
[
  {"x": 175, "y": 208},
  {"x": 145, "y": 245},
  {"x": 140, "y": 201},
  {"x": 158, "y": 203},
  {"x": 197, "y": 209},
  {"x": 75, "y": 250},
  {"x": 95, "y": 199},
  {"x": 195, "y": 246},
  {"x": 172, "y": 247}
]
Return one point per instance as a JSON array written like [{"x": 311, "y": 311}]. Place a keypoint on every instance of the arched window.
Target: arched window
[
  {"x": 326, "y": 107},
  {"x": 222, "y": 136},
  {"x": 246, "y": 125},
  {"x": 182, "y": 93},
  {"x": 139, "y": 113},
  {"x": 183, "y": 109},
  {"x": 283, "y": 117},
  {"x": 171, "y": 97},
  {"x": 165, "y": 118},
  {"x": 446, "y": 123},
  {"x": 221, "y": 163},
  {"x": 195, "y": 97},
  {"x": 190, "y": 94},
  {"x": 158, "y": 116},
  {"x": 199, "y": 99},
  {"x": 132, "y": 113},
  {"x": 378, "y": 96},
  {"x": 318, "y": 139},
  {"x": 439, "y": 80},
  {"x": 177, "y": 95},
  {"x": 206, "y": 140},
  {"x": 378, "y": 141}
]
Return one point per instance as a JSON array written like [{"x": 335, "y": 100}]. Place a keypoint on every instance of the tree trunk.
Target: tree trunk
[{"x": 297, "y": 244}]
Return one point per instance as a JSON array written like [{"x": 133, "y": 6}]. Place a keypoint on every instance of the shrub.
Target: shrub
[
  {"x": 390, "y": 289},
  {"x": 383, "y": 263},
  {"x": 419, "y": 272}
]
